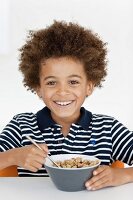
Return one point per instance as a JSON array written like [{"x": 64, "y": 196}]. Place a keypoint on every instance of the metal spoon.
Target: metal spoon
[{"x": 33, "y": 142}]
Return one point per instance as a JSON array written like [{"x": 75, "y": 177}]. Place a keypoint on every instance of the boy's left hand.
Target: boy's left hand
[{"x": 105, "y": 176}]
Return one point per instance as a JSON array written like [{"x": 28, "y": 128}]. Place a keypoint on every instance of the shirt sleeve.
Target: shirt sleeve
[
  {"x": 122, "y": 141},
  {"x": 10, "y": 136}
]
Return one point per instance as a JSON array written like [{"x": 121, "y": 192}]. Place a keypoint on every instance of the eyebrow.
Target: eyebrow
[
  {"x": 48, "y": 77},
  {"x": 71, "y": 76},
  {"x": 75, "y": 76}
]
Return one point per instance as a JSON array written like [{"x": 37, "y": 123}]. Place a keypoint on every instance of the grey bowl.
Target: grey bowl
[{"x": 70, "y": 179}]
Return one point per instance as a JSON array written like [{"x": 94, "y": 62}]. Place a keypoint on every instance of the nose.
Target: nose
[{"x": 63, "y": 89}]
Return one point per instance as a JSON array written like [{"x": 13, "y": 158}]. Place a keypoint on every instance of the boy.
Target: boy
[{"x": 63, "y": 64}]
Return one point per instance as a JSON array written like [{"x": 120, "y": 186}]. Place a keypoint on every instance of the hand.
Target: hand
[
  {"x": 30, "y": 157},
  {"x": 105, "y": 176}
]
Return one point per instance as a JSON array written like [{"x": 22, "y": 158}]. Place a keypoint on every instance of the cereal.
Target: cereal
[{"x": 77, "y": 162}]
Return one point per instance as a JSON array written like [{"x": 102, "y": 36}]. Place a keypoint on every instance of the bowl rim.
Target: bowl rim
[{"x": 71, "y": 155}]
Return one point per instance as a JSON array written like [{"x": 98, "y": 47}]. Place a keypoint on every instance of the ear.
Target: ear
[
  {"x": 90, "y": 88},
  {"x": 38, "y": 91}
]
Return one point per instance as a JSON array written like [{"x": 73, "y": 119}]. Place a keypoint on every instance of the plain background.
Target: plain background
[{"x": 112, "y": 20}]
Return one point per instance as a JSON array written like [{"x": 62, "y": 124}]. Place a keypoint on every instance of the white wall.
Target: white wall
[{"x": 112, "y": 20}]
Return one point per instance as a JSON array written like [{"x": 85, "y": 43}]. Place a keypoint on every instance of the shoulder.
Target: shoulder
[
  {"x": 104, "y": 121},
  {"x": 107, "y": 121},
  {"x": 18, "y": 121},
  {"x": 102, "y": 118},
  {"x": 25, "y": 116},
  {"x": 97, "y": 119}
]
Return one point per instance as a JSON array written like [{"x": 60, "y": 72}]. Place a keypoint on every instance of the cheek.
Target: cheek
[
  {"x": 82, "y": 90},
  {"x": 81, "y": 93},
  {"x": 47, "y": 94}
]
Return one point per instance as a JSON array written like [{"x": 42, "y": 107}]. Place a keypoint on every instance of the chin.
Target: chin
[
  {"x": 63, "y": 115},
  {"x": 65, "y": 112}
]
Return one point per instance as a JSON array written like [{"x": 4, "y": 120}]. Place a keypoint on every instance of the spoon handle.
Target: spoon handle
[{"x": 33, "y": 142}]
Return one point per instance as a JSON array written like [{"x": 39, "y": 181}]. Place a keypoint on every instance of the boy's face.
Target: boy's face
[{"x": 63, "y": 87}]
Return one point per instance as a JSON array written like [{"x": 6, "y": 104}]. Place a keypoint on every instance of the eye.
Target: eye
[
  {"x": 51, "y": 83},
  {"x": 73, "y": 82}
]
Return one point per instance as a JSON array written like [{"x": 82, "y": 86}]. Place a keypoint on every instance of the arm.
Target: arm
[
  {"x": 28, "y": 157},
  {"x": 106, "y": 176},
  {"x": 12, "y": 151},
  {"x": 122, "y": 149}
]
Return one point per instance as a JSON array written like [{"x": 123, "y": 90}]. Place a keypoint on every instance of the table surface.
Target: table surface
[{"x": 30, "y": 188}]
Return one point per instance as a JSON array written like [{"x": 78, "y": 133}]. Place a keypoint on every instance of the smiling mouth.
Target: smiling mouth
[{"x": 63, "y": 103}]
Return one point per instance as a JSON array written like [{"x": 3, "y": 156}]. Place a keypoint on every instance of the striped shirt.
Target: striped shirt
[{"x": 94, "y": 135}]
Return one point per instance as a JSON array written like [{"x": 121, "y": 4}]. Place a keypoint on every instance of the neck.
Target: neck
[{"x": 65, "y": 123}]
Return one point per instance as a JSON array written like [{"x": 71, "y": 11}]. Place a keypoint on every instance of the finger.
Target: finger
[
  {"x": 97, "y": 178},
  {"x": 39, "y": 159},
  {"x": 44, "y": 148},
  {"x": 33, "y": 159},
  {"x": 100, "y": 169},
  {"x": 99, "y": 181},
  {"x": 36, "y": 165},
  {"x": 33, "y": 168},
  {"x": 37, "y": 151},
  {"x": 102, "y": 184}
]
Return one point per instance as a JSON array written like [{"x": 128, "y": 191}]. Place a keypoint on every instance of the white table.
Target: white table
[{"x": 43, "y": 189}]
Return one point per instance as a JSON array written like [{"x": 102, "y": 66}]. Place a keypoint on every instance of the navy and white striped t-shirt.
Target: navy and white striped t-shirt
[{"x": 95, "y": 135}]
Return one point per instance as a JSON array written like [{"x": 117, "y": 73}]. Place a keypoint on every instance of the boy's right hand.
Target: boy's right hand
[{"x": 30, "y": 157}]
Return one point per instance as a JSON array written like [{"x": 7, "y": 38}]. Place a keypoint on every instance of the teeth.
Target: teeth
[{"x": 63, "y": 103}]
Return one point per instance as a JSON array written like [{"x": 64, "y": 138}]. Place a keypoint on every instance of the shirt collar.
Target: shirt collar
[{"x": 45, "y": 120}]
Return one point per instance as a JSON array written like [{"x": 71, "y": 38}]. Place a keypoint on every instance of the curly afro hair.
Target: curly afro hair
[{"x": 63, "y": 39}]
